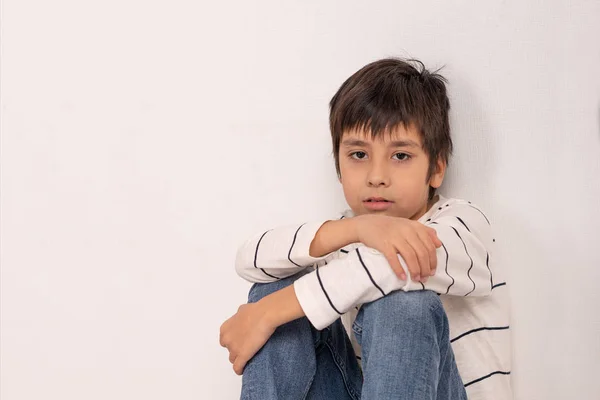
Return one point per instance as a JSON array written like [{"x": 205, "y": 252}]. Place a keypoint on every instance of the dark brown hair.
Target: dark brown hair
[{"x": 389, "y": 92}]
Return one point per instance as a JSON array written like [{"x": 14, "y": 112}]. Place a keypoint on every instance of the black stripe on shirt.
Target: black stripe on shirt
[
  {"x": 256, "y": 255},
  {"x": 472, "y": 206},
  {"x": 487, "y": 376},
  {"x": 487, "y": 254},
  {"x": 487, "y": 260},
  {"x": 487, "y": 264},
  {"x": 368, "y": 273},
  {"x": 449, "y": 286},
  {"x": 272, "y": 276},
  {"x": 483, "y": 328},
  {"x": 463, "y": 222},
  {"x": 471, "y": 267},
  {"x": 325, "y": 292},
  {"x": 344, "y": 251},
  {"x": 450, "y": 276},
  {"x": 258, "y": 244},
  {"x": 498, "y": 285},
  {"x": 292, "y": 246}
]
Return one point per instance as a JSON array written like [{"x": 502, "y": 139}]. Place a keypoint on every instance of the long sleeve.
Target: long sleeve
[
  {"x": 364, "y": 275},
  {"x": 277, "y": 253}
]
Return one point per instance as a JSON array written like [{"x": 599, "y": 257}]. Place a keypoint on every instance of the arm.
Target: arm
[
  {"x": 248, "y": 330},
  {"x": 365, "y": 275},
  {"x": 284, "y": 251}
]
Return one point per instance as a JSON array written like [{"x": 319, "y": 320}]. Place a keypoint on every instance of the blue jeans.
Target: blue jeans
[{"x": 406, "y": 354}]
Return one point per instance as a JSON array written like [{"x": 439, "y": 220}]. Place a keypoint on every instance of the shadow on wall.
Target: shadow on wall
[
  {"x": 520, "y": 251},
  {"x": 598, "y": 119},
  {"x": 473, "y": 175},
  {"x": 472, "y": 167}
]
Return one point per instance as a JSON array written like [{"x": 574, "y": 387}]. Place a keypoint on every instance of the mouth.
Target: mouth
[
  {"x": 377, "y": 203},
  {"x": 377, "y": 200}
]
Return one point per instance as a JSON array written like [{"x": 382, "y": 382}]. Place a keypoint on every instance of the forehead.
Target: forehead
[{"x": 401, "y": 133}]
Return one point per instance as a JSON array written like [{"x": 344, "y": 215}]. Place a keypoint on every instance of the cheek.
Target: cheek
[
  {"x": 351, "y": 188},
  {"x": 412, "y": 190},
  {"x": 349, "y": 177}
]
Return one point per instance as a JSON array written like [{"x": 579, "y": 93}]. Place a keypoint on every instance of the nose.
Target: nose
[{"x": 378, "y": 175}]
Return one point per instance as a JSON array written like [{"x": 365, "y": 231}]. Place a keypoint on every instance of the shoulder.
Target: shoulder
[
  {"x": 456, "y": 207},
  {"x": 464, "y": 216}
]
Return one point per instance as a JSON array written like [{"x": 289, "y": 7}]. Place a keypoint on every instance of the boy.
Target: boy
[{"x": 410, "y": 272}]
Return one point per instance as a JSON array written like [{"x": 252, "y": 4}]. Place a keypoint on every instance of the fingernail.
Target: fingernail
[
  {"x": 403, "y": 277},
  {"x": 417, "y": 278},
  {"x": 432, "y": 272}
]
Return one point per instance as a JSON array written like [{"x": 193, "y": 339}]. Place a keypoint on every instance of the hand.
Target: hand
[
  {"x": 415, "y": 242},
  {"x": 244, "y": 334}
]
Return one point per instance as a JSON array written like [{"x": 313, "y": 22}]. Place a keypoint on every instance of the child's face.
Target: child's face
[{"x": 387, "y": 175}]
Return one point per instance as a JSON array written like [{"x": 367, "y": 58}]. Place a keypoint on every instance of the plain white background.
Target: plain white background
[{"x": 142, "y": 141}]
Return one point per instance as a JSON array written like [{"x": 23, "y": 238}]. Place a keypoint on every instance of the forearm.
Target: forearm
[
  {"x": 332, "y": 236},
  {"x": 347, "y": 285},
  {"x": 277, "y": 253},
  {"x": 332, "y": 290},
  {"x": 365, "y": 275},
  {"x": 281, "y": 306}
]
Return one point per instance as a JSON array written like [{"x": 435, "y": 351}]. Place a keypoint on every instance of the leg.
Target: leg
[
  {"x": 406, "y": 348},
  {"x": 299, "y": 362},
  {"x": 338, "y": 375}
]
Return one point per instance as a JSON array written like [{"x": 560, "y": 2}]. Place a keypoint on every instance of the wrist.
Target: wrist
[
  {"x": 354, "y": 228},
  {"x": 332, "y": 236},
  {"x": 280, "y": 307}
]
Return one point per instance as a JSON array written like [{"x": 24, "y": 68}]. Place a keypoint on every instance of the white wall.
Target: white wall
[{"x": 143, "y": 140}]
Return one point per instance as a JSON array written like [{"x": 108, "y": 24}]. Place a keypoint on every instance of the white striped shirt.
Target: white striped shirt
[{"x": 472, "y": 288}]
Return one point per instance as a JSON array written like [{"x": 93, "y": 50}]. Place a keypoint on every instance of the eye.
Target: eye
[
  {"x": 358, "y": 155},
  {"x": 401, "y": 156}
]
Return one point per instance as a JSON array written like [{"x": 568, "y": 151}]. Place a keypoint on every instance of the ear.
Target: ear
[{"x": 438, "y": 175}]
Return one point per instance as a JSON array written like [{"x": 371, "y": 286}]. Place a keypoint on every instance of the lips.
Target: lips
[
  {"x": 377, "y": 203},
  {"x": 377, "y": 199}
]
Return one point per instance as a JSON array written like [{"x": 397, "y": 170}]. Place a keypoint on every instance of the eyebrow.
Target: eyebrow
[{"x": 395, "y": 143}]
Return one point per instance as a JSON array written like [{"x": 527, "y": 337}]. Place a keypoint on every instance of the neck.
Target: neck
[{"x": 426, "y": 208}]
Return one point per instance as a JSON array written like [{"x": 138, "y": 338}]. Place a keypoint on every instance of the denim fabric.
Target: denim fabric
[{"x": 406, "y": 354}]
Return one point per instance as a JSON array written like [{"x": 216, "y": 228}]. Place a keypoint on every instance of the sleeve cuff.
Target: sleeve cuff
[
  {"x": 313, "y": 301},
  {"x": 300, "y": 253}
]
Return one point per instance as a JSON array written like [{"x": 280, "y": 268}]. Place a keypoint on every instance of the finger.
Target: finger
[
  {"x": 238, "y": 365},
  {"x": 392, "y": 259},
  {"x": 223, "y": 333},
  {"x": 232, "y": 357},
  {"x": 422, "y": 255},
  {"x": 431, "y": 250},
  {"x": 433, "y": 234},
  {"x": 222, "y": 337},
  {"x": 409, "y": 255}
]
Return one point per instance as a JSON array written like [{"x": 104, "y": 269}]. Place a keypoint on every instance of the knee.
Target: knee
[
  {"x": 400, "y": 308},
  {"x": 260, "y": 290}
]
